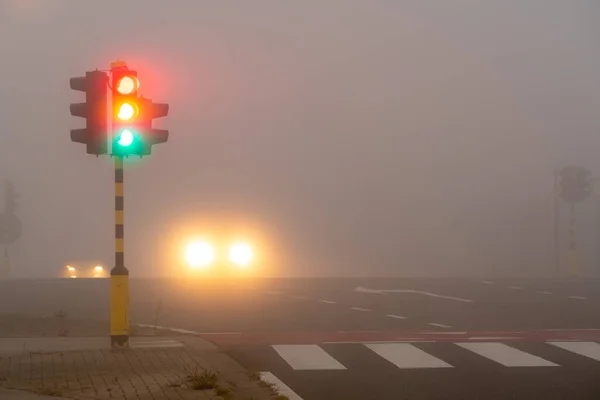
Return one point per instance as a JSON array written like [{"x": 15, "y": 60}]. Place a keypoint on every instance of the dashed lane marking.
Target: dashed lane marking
[
  {"x": 396, "y": 316},
  {"x": 359, "y": 309},
  {"x": 487, "y": 282},
  {"x": 515, "y": 287},
  {"x": 543, "y": 292},
  {"x": 577, "y": 297},
  {"x": 328, "y": 301},
  {"x": 439, "y": 325}
]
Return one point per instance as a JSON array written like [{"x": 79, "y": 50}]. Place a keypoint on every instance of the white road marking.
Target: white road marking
[
  {"x": 327, "y": 301},
  {"x": 156, "y": 344},
  {"x": 515, "y": 287},
  {"x": 587, "y": 349},
  {"x": 577, "y": 297},
  {"x": 407, "y": 356},
  {"x": 543, "y": 292},
  {"x": 359, "y": 309},
  {"x": 307, "y": 357},
  {"x": 185, "y": 331},
  {"x": 506, "y": 355},
  {"x": 442, "y": 333},
  {"x": 386, "y": 291},
  {"x": 403, "y": 340},
  {"x": 487, "y": 282},
  {"x": 439, "y": 325},
  {"x": 280, "y": 387},
  {"x": 494, "y": 337},
  {"x": 395, "y": 316},
  {"x": 300, "y": 297}
]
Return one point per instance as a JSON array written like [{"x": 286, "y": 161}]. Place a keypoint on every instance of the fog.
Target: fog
[{"x": 359, "y": 138}]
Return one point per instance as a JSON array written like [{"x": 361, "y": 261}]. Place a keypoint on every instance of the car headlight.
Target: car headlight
[
  {"x": 241, "y": 254},
  {"x": 199, "y": 254}
]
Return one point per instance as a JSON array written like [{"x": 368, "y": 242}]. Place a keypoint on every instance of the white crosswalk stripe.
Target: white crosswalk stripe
[
  {"x": 307, "y": 357},
  {"x": 506, "y": 355},
  {"x": 407, "y": 356},
  {"x": 586, "y": 349},
  {"x": 412, "y": 356}
]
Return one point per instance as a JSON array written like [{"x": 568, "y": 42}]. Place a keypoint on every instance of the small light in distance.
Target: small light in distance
[
  {"x": 73, "y": 276},
  {"x": 241, "y": 254},
  {"x": 126, "y": 138},
  {"x": 128, "y": 84},
  {"x": 127, "y": 111},
  {"x": 199, "y": 254},
  {"x": 98, "y": 268},
  {"x": 70, "y": 268}
]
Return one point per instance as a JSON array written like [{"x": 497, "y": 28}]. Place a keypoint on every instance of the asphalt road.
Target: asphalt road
[{"x": 372, "y": 338}]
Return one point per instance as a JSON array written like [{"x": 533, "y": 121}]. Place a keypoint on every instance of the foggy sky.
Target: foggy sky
[{"x": 379, "y": 137}]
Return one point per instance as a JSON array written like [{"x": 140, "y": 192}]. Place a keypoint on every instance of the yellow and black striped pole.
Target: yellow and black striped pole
[{"x": 119, "y": 275}]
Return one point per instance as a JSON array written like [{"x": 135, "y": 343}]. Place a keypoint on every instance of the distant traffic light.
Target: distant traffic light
[
  {"x": 133, "y": 115},
  {"x": 575, "y": 184},
  {"x": 94, "y": 135}
]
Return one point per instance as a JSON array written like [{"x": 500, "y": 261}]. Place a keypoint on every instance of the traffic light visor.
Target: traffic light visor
[
  {"x": 127, "y": 85},
  {"x": 127, "y": 111}
]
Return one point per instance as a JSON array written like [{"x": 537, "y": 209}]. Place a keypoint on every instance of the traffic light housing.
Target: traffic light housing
[
  {"x": 94, "y": 110},
  {"x": 575, "y": 184},
  {"x": 148, "y": 112},
  {"x": 125, "y": 112},
  {"x": 132, "y": 116}
]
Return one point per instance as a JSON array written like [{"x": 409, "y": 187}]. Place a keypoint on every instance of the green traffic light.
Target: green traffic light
[{"x": 126, "y": 138}]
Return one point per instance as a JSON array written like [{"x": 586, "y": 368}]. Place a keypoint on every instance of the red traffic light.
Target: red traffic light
[{"x": 127, "y": 85}]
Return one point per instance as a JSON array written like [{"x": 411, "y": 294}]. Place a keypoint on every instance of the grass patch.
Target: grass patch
[{"x": 201, "y": 379}]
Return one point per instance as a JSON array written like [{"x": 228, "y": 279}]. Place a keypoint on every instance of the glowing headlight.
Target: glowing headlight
[
  {"x": 240, "y": 254},
  {"x": 98, "y": 268},
  {"x": 199, "y": 254}
]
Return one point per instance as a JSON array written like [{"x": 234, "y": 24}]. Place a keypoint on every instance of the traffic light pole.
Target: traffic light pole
[
  {"x": 119, "y": 275},
  {"x": 572, "y": 248}
]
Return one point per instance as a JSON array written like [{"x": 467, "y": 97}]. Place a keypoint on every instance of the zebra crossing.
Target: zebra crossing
[{"x": 314, "y": 357}]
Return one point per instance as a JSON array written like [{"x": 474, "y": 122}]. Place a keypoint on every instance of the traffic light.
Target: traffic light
[
  {"x": 94, "y": 110},
  {"x": 126, "y": 111},
  {"x": 133, "y": 115},
  {"x": 575, "y": 184},
  {"x": 148, "y": 112}
]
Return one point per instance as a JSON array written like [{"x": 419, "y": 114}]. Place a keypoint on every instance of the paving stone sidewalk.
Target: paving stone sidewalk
[{"x": 156, "y": 367}]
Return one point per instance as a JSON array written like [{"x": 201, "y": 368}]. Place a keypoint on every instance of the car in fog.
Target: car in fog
[
  {"x": 220, "y": 258},
  {"x": 73, "y": 271}
]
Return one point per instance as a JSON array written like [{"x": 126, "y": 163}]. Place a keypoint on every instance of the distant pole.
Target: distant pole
[
  {"x": 556, "y": 224},
  {"x": 572, "y": 248},
  {"x": 5, "y": 272}
]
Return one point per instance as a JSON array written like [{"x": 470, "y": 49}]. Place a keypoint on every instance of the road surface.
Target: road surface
[{"x": 376, "y": 339}]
